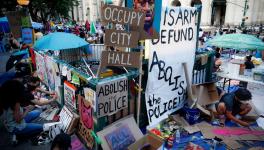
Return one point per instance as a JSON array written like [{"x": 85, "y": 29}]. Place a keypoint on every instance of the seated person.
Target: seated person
[
  {"x": 232, "y": 104},
  {"x": 61, "y": 142},
  {"x": 248, "y": 63},
  {"x": 32, "y": 87},
  {"x": 17, "y": 119},
  {"x": 217, "y": 62}
]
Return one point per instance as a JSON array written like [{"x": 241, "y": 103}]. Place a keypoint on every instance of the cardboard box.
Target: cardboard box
[
  {"x": 153, "y": 142},
  {"x": 120, "y": 134},
  {"x": 206, "y": 93}
]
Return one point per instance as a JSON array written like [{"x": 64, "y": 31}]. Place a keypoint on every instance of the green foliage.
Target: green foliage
[{"x": 41, "y": 10}]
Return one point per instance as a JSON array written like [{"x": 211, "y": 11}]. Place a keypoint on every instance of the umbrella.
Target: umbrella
[
  {"x": 15, "y": 58},
  {"x": 237, "y": 41},
  {"x": 59, "y": 41}
]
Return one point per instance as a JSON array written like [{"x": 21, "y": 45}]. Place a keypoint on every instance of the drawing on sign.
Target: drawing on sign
[
  {"x": 126, "y": 59},
  {"x": 120, "y": 138},
  {"x": 90, "y": 96},
  {"x": 152, "y": 19},
  {"x": 86, "y": 113},
  {"x": 112, "y": 96},
  {"x": 121, "y": 38},
  {"x": 51, "y": 72},
  {"x": 41, "y": 68},
  {"x": 166, "y": 85},
  {"x": 86, "y": 122},
  {"x": 76, "y": 144},
  {"x": 27, "y": 35},
  {"x": 69, "y": 95}
]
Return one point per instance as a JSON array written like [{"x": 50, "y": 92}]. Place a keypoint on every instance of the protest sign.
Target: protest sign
[
  {"x": 25, "y": 21},
  {"x": 122, "y": 15},
  {"x": 86, "y": 121},
  {"x": 14, "y": 20},
  {"x": 69, "y": 95},
  {"x": 126, "y": 59},
  {"x": 112, "y": 96},
  {"x": 121, "y": 38},
  {"x": 76, "y": 144},
  {"x": 120, "y": 138},
  {"x": 41, "y": 68},
  {"x": 151, "y": 20},
  {"x": 27, "y": 35},
  {"x": 90, "y": 96},
  {"x": 120, "y": 134},
  {"x": 166, "y": 85},
  {"x": 51, "y": 70}
]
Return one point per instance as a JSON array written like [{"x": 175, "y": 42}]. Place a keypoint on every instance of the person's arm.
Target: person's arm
[
  {"x": 44, "y": 91},
  {"x": 18, "y": 116},
  {"x": 42, "y": 102},
  {"x": 230, "y": 116}
]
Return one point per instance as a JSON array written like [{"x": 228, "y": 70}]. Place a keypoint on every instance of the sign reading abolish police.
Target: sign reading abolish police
[
  {"x": 112, "y": 96},
  {"x": 166, "y": 86}
]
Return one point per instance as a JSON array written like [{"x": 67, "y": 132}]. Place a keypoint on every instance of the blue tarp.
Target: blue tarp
[{"x": 4, "y": 26}]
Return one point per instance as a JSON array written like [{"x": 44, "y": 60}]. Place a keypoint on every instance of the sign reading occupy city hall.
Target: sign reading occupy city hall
[
  {"x": 166, "y": 85},
  {"x": 123, "y": 16}
]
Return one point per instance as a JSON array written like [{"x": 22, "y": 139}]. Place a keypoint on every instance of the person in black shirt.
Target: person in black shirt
[
  {"x": 232, "y": 104},
  {"x": 248, "y": 63}
]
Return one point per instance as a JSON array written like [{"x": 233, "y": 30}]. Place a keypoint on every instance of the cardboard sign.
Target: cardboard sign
[
  {"x": 112, "y": 96},
  {"x": 76, "y": 144},
  {"x": 121, "y": 38},
  {"x": 90, "y": 97},
  {"x": 68, "y": 119},
  {"x": 126, "y": 59},
  {"x": 120, "y": 134},
  {"x": 122, "y": 15},
  {"x": 41, "y": 68},
  {"x": 51, "y": 69},
  {"x": 27, "y": 35},
  {"x": 166, "y": 85},
  {"x": 14, "y": 20},
  {"x": 69, "y": 95},
  {"x": 86, "y": 121},
  {"x": 120, "y": 138}
]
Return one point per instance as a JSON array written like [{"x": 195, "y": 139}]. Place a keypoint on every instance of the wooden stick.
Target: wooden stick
[
  {"x": 189, "y": 88},
  {"x": 139, "y": 87}
]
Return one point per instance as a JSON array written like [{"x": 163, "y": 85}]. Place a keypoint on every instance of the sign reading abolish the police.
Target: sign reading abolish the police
[
  {"x": 112, "y": 96},
  {"x": 166, "y": 86},
  {"x": 126, "y": 59},
  {"x": 121, "y": 38},
  {"x": 124, "y": 16}
]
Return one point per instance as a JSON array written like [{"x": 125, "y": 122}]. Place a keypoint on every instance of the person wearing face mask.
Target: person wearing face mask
[{"x": 234, "y": 105}]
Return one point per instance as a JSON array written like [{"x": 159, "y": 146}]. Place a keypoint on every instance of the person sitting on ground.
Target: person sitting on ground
[
  {"x": 62, "y": 141},
  {"x": 17, "y": 119},
  {"x": 233, "y": 105},
  {"x": 32, "y": 95},
  {"x": 217, "y": 62},
  {"x": 248, "y": 63}
]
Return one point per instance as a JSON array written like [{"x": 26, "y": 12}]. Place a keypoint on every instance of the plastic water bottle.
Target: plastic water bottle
[{"x": 178, "y": 136}]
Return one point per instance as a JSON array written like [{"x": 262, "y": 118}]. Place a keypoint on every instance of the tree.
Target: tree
[{"x": 42, "y": 10}]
